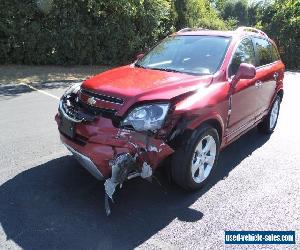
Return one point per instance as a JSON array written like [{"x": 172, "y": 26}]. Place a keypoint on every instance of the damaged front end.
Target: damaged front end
[
  {"x": 124, "y": 167},
  {"x": 120, "y": 148}
]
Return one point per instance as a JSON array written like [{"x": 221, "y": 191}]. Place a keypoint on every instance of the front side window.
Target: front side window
[
  {"x": 198, "y": 55},
  {"x": 263, "y": 51},
  {"x": 243, "y": 54}
]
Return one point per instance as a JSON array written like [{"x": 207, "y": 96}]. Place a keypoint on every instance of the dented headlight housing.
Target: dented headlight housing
[
  {"x": 74, "y": 88},
  {"x": 147, "y": 117}
]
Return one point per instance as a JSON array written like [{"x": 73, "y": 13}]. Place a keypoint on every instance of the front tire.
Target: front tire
[
  {"x": 194, "y": 162},
  {"x": 269, "y": 123}
]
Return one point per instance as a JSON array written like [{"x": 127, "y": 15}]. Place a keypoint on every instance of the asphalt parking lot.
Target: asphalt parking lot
[{"x": 47, "y": 201}]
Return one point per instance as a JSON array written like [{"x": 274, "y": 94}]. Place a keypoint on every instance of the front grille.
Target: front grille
[
  {"x": 97, "y": 111},
  {"x": 103, "y": 97},
  {"x": 78, "y": 111}
]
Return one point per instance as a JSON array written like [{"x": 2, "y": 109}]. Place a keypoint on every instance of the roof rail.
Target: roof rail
[
  {"x": 250, "y": 29},
  {"x": 191, "y": 29},
  {"x": 185, "y": 29}
]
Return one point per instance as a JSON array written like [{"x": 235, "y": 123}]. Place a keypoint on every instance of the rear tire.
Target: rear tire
[
  {"x": 269, "y": 123},
  {"x": 194, "y": 162}
]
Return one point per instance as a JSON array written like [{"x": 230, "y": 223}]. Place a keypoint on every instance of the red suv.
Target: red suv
[{"x": 184, "y": 100}]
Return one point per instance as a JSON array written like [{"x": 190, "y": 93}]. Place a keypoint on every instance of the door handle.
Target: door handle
[
  {"x": 258, "y": 84},
  {"x": 276, "y": 75}
]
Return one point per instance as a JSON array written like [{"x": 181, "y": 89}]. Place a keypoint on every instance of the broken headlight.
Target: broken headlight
[
  {"x": 74, "y": 88},
  {"x": 147, "y": 117}
]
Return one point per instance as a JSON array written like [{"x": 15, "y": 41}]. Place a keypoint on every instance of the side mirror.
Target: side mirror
[
  {"x": 139, "y": 56},
  {"x": 245, "y": 71}
]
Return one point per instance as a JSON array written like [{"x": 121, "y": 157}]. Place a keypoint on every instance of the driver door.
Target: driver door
[{"x": 244, "y": 98}]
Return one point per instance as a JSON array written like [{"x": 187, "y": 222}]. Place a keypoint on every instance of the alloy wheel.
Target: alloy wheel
[
  {"x": 274, "y": 114},
  {"x": 203, "y": 158}
]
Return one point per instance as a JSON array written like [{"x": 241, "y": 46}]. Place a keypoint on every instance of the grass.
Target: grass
[{"x": 14, "y": 74}]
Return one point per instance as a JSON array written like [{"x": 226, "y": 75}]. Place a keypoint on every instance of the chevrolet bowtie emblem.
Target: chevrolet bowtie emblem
[{"x": 91, "y": 101}]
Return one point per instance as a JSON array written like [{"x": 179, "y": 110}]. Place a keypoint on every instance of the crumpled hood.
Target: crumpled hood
[{"x": 133, "y": 84}]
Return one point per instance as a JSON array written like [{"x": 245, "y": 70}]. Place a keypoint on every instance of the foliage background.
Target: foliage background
[{"x": 109, "y": 32}]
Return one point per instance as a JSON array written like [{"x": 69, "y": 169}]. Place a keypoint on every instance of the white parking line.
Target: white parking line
[{"x": 41, "y": 91}]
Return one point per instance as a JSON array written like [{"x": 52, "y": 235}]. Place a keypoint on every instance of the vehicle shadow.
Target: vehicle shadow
[
  {"x": 58, "y": 205},
  {"x": 8, "y": 91}
]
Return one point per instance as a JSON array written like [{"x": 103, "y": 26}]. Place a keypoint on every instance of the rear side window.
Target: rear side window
[
  {"x": 264, "y": 51},
  {"x": 243, "y": 54}
]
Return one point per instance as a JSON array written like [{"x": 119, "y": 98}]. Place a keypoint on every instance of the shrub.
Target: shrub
[{"x": 82, "y": 31}]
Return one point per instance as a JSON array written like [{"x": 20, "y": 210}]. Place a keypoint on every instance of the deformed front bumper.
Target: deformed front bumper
[
  {"x": 103, "y": 143},
  {"x": 86, "y": 163}
]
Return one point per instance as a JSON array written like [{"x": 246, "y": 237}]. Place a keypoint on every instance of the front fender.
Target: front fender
[{"x": 210, "y": 117}]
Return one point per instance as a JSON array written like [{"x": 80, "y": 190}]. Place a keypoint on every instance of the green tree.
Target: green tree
[
  {"x": 197, "y": 13},
  {"x": 233, "y": 10},
  {"x": 281, "y": 21}
]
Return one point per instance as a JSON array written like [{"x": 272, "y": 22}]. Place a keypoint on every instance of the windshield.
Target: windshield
[{"x": 198, "y": 55}]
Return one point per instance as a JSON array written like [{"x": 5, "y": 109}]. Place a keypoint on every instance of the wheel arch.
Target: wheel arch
[
  {"x": 214, "y": 119},
  {"x": 213, "y": 122}
]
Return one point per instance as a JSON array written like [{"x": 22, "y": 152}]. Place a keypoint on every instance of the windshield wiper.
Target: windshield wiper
[
  {"x": 139, "y": 66},
  {"x": 162, "y": 69},
  {"x": 167, "y": 69}
]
